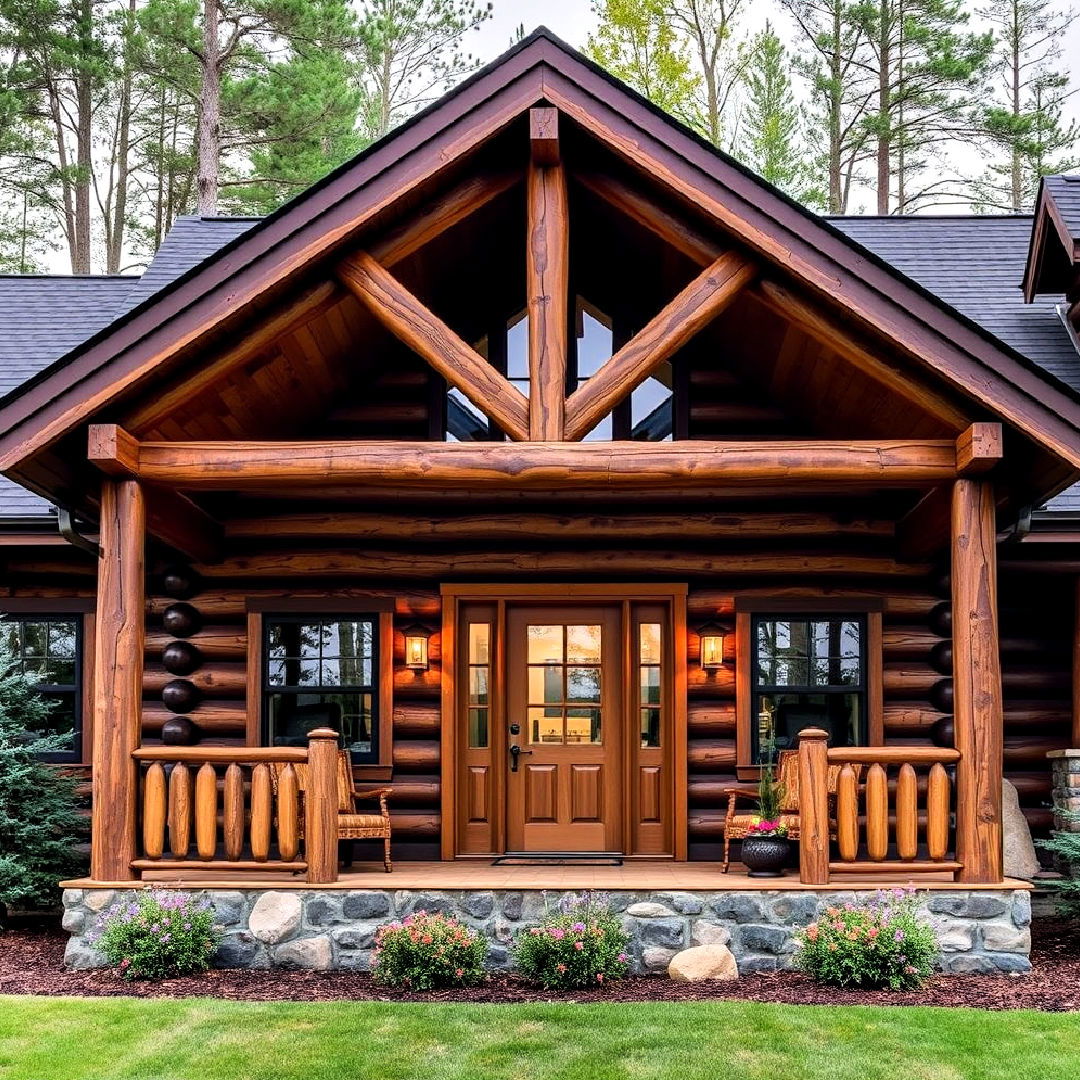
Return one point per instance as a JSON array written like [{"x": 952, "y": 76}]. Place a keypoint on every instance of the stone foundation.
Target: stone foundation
[
  {"x": 1065, "y": 774},
  {"x": 984, "y": 931}
]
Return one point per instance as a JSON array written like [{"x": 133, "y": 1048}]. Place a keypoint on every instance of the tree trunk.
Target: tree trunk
[
  {"x": 210, "y": 112},
  {"x": 837, "y": 201},
  {"x": 83, "y": 140},
  {"x": 884, "y": 135},
  {"x": 1016, "y": 175},
  {"x": 115, "y": 230}
]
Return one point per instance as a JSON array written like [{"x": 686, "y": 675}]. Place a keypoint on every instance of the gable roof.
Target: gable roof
[
  {"x": 1065, "y": 191},
  {"x": 267, "y": 255}
]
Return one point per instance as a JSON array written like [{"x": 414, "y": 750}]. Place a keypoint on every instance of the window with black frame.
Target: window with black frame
[
  {"x": 322, "y": 671},
  {"x": 48, "y": 649},
  {"x": 809, "y": 671}
]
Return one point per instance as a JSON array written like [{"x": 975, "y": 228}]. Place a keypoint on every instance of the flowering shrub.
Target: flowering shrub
[
  {"x": 579, "y": 944},
  {"x": 158, "y": 935},
  {"x": 879, "y": 944},
  {"x": 767, "y": 828},
  {"x": 427, "y": 952}
]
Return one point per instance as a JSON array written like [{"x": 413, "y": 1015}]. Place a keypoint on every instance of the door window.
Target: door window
[{"x": 564, "y": 682}]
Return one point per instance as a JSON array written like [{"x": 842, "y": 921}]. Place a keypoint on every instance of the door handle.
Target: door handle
[{"x": 515, "y": 756}]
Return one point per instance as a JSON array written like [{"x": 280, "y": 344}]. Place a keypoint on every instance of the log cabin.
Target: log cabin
[{"x": 558, "y": 465}]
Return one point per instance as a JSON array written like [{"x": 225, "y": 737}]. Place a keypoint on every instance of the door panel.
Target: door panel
[{"x": 564, "y": 680}]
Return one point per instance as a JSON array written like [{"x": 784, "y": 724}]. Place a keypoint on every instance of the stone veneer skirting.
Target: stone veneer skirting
[
  {"x": 1065, "y": 772},
  {"x": 983, "y": 931}
]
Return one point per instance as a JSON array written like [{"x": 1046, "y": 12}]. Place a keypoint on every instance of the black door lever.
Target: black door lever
[{"x": 515, "y": 755}]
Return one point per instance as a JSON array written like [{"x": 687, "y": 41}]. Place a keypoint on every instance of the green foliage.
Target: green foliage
[
  {"x": 771, "y": 122},
  {"x": 159, "y": 935},
  {"x": 882, "y": 944},
  {"x": 637, "y": 43},
  {"x": 1065, "y": 846},
  {"x": 428, "y": 952},
  {"x": 580, "y": 944},
  {"x": 40, "y": 823}
]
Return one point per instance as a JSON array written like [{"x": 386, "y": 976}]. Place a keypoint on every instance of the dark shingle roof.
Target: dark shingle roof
[
  {"x": 188, "y": 243},
  {"x": 975, "y": 264},
  {"x": 41, "y": 318},
  {"x": 1065, "y": 191}
]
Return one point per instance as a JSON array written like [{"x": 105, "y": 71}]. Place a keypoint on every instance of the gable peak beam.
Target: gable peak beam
[
  {"x": 170, "y": 517},
  {"x": 547, "y": 278},
  {"x": 694, "y": 308},
  {"x": 409, "y": 320}
]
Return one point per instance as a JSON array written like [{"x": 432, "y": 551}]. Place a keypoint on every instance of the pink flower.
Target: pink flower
[
  {"x": 579, "y": 945},
  {"x": 560, "y": 968},
  {"x": 459, "y": 972},
  {"x": 599, "y": 976}
]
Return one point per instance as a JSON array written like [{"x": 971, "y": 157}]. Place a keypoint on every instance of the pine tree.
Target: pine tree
[
  {"x": 1027, "y": 134},
  {"x": 833, "y": 60},
  {"x": 769, "y": 138},
  {"x": 40, "y": 823},
  {"x": 636, "y": 42},
  {"x": 411, "y": 51}
]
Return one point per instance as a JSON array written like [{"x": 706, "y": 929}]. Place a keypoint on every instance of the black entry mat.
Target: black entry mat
[{"x": 559, "y": 858}]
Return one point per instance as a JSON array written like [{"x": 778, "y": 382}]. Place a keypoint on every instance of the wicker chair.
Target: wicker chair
[
  {"x": 351, "y": 825},
  {"x": 737, "y": 825}
]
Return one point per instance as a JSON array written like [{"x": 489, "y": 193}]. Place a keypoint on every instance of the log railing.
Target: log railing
[
  {"x": 216, "y": 808},
  {"x": 892, "y": 811}
]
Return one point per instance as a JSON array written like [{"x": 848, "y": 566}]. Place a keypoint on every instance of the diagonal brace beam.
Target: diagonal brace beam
[
  {"x": 409, "y": 320},
  {"x": 697, "y": 305}
]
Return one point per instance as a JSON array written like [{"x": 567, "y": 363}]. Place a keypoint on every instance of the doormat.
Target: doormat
[{"x": 559, "y": 858}]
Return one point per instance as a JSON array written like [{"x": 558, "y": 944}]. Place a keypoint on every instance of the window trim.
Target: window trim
[
  {"x": 80, "y": 613},
  {"x": 378, "y": 608},
  {"x": 867, "y": 609}
]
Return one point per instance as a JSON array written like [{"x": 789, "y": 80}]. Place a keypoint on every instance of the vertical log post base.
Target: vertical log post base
[
  {"x": 321, "y": 807},
  {"x": 813, "y": 806}
]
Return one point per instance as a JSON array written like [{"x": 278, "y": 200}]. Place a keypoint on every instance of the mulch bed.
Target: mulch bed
[{"x": 31, "y": 962}]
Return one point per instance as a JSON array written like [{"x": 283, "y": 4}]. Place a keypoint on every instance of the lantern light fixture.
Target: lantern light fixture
[
  {"x": 416, "y": 647},
  {"x": 712, "y": 646}
]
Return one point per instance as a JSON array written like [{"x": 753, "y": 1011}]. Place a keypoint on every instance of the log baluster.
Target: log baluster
[
  {"x": 180, "y": 811},
  {"x": 288, "y": 814},
  {"x": 907, "y": 813},
  {"x": 877, "y": 813},
  {"x": 813, "y": 807},
  {"x": 938, "y": 797},
  {"x": 847, "y": 813},
  {"x": 153, "y": 811},
  {"x": 261, "y": 812},
  {"x": 233, "y": 821},
  {"x": 206, "y": 812}
]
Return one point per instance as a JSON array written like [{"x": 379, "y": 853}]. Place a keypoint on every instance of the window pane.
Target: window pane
[
  {"x": 308, "y": 640},
  {"x": 60, "y": 672},
  {"x": 478, "y": 729},
  {"x": 545, "y": 685},
  {"x": 545, "y": 725},
  {"x": 62, "y": 638},
  {"x": 275, "y": 673},
  {"x": 35, "y": 635},
  {"x": 650, "y": 728},
  {"x": 583, "y": 684},
  {"x": 583, "y": 644},
  {"x": 545, "y": 644},
  {"x": 479, "y": 642},
  {"x": 650, "y": 685},
  {"x": 809, "y": 652},
  {"x": 583, "y": 726},
  {"x": 838, "y": 714},
  {"x": 649, "y": 643},
  {"x": 478, "y": 685}
]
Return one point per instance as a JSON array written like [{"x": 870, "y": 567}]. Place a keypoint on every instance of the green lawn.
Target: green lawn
[{"x": 199, "y": 1039}]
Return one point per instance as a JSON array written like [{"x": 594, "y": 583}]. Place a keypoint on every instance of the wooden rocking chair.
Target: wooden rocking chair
[{"x": 351, "y": 825}]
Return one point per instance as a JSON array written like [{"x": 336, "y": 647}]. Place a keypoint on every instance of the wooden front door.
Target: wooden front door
[{"x": 564, "y": 722}]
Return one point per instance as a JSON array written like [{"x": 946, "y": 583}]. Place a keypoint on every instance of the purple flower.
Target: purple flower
[
  {"x": 899, "y": 935},
  {"x": 579, "y": 926}
]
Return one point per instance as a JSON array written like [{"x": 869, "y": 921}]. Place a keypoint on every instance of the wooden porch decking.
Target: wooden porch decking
[{"x": 632, "y": 876}]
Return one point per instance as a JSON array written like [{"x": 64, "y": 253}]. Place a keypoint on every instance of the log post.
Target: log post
[
  {"x": 320, "y": 807},
  {"x": 118, "y": 663},
  {"x": 977, "y": 708},
  {"x": 1075, "y": 741},
  {"x": 814, "y": 806}
]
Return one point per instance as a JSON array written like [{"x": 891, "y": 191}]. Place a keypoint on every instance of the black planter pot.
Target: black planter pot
[{"x": 765, "y": 856}]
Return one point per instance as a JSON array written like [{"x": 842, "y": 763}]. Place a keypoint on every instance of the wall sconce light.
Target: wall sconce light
[
  {"x": 416, "y": 647},
  {"x": 712, "y": 646}
]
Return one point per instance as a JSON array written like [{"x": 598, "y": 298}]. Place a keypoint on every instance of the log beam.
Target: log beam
[
  {"x": 694, "y": 308},
  {"x": 223, "y": 466},
  {"x": 977, "y": 708},
  {"x": 430, "y": 338},
  {"x": 118, "y": 668},
  {"x": 978, "y": 449},
  {"x": 547, "y": 278}
]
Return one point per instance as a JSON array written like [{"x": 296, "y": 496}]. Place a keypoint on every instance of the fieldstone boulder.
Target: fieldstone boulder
[
  {"x": 704, "y": 963},
  {"x": 1020, "y": 860},
  {"x": 648, "y": 909},
  {"x": 275, "y": 916},
  {"x": 709, "y": 933},
  {"x": 308, "y": 954}
]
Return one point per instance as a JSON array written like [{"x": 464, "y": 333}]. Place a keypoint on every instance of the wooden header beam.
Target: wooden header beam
[
  {"x": 222, "y": 466},
  {"x": 978, "y": 449}
]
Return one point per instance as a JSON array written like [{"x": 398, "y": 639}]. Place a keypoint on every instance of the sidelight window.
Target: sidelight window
[
  {"x": 322, "y": 672},
  {"x": 807, "y": 671},
  {"x": 650, "y": 675},
  {"x": 479, "y": 685}
]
